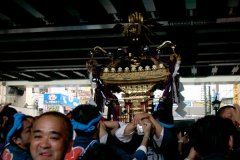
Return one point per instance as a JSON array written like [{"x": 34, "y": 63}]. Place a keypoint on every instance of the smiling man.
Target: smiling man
[{"x": 51, "y": 136}]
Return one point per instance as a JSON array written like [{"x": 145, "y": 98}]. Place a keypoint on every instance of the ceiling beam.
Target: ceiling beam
[
  {"x": 43, "y": 74},
  {"x": 53, "y": 59},
  {"x": 110, "y": 9},
  {"x": 218, "y": 53},
  {"x": 150, "y": 7},
  {"x": 73, "y": 12},
  {"x": 8, "y": 75},
  {"x": 213, "y": 79},
  {"x": 233, "y": 7},
  {"x": 50, "y": 67},
  {"x": 31, "y": 10},
  {"x": 57, "y": 29},
  {"x": 55, "y": 69},
  {"x": 218, "y": 62},
  {"x": 61, "y": 74},
  {"x": 26, "y": 75},
  {"x": 79, "y": 82},
  {"x": 7, "y": 19},
  {"x": 190, "y": 6}
]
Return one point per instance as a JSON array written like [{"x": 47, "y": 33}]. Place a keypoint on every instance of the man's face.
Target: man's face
[
  {"x": 25, "y": 135},
  {"x": 228, "y": 113},
  {"x": 48, "y": 140}
]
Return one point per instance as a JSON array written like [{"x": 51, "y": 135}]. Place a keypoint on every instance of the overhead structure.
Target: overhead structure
[{"x": 48, "y": 36}]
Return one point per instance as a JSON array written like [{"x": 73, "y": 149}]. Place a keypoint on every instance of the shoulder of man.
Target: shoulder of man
[{"x": 13, "y": 152}]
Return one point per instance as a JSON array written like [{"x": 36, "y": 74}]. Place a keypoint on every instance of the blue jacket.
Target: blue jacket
[
  {"x": 13, "y": 152},
  {"x": 87, "y": 142}
]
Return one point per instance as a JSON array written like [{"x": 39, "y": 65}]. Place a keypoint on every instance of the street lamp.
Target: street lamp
[{"x": 216, "y": 105}]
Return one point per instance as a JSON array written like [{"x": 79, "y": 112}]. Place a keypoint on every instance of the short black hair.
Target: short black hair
[
  {"x": 223, "y": 108},
  {"x": 9, "y": 113},
  {"x": 85, "y": 113},
  {"x": 211, "y": 134}
]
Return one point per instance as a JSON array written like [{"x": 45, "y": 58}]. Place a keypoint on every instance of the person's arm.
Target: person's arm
[
  {"x": 104, "y": 126},
  {"x": 147, "y": 131},
  {"x": 102, "y": 130},
  {"x": 141, "y": 151},
  {"x": 182, "y": 141},
  {"x": 192, "y": 155},
  {"x": 130, "y": 128},
  {"x": 111, "y": 125},
  {"x": 156, "y": 126},
  {"x": 125, "y": 132}
]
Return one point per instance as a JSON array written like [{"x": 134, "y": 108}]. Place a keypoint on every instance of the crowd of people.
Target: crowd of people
[{"x": 85, "y": 134}]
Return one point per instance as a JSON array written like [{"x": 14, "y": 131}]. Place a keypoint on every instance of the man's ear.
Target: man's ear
[
  {"x": 5, "y": 119},
  {"x": 230, "y": 143},
  {"x": 17, "y": 140}
]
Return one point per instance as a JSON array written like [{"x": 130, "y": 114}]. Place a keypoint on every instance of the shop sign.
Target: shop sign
[
  {"x": 61, "y": 99},
  {"x": 52, "y": 108}
]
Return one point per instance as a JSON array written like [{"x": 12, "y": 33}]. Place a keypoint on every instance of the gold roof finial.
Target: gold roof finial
[{"x": 135, "y": 18}]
